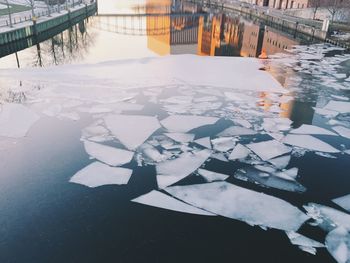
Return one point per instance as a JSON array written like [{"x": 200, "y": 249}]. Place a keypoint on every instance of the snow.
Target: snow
[
  {"x": 211, "y": 176},
  {"x": 132, "y": 130},
  {"x": 339, "y": 106},
  {"x": 180, "y": 137},
  {"x": 223, "y": 144},
  {"x": 98, "y": 174},
  {"x": 239, "y": 152},
  {"x": 185, "y": 123},
  {"x": 306, "y": 244},
  {"x": 236, "y": 131},
  {"x": 269, "y": 149},
  {"x": 107, "y": 154},
  {"x": 343, "y": 201},
  {"x": 309, "y": 142},
  {"x": 342, "y": 131},
  {"x": 235, "y": 202},
  {"x": 16, "y": 120},
  {"x": 161, "y": 200},
  {"x": 310, "y": 129},
  {"x": 338, "y": 244},
  {"x": 172, "y": 171},
  {"x": 205, "y": 142}
]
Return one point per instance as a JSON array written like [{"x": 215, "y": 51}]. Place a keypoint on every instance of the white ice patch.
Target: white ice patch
[
  {"x": 310, "y": 129},
  {"x": 107, "y": 154},
  {"x": 97, "y": 174},
  {"x": 269, "y": 149},
  {"x": 343, "y": 202},
  {"x": 160, "y": 200},
  {"x": 16, "y": 120},
  {"x": 152, "y": 153},
  {"x": 185, "y": 123},
  {"x": 239, "y": 152},
  {"x": 180, "y": 137},
  {"x": 236, "y": 131},
  {"x": 306, "y": 244},
  {"x": 342, "y": 131},
  {"x": 235, "y": 202},
  {"x": 223, "y": 144},
  {"x": 205, "y": 142},
  {"x": 243, "y": 122},
  {"x": 280, "y": 162},
  {"x": 172, "y": 171},
  {"x": 276, "y": 124},
  {"x": 339, "y": 106},
  {"x": 338, "y": 244},
  {"x": 309, "y": 142},
  {"x": 132, "y": 130},
  {"x": 210, "y": 176}
]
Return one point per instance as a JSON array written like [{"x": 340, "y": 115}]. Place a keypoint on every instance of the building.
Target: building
[{"x": 280, "y": 4}]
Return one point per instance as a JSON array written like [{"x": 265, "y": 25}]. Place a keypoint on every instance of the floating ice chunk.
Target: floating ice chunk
[
  {"x": 131, "y": 130},
  {"x": 269, "y": 149},
  {"x": 338, "y": 244},
  {"x": 326, "y": 113},
  {"x": 342, "y": 131},
  {"x": 290, "y": 174},
  {"x": 269, "y": 180},
  {"x": 219, "y": 156},
  {"x": 185, "y": 123},
  {"x": 243, "y": 122},
  {"x": 309, "y": 142},
  {"x": 306, "y": 244},
  {"x": 239, "y": 152},
  {"x": 97, "y": 174},
  {"x": 16, "y": 120},
  {"x": 70, "y": 115},
  {"x": 236, "y": 131},
  {"x": 277, "y": 136},
  {"x": 276, "y": 124},
  {"x": 152, "y": 153},
  {"x": 280, "y": 162},
  {"x": 340, "y": 97},
  {"x": 172, "y": 171},
  {"x": 264, "y": 168},
  {"x": 310, "y": 129},
  {"x": 223, "y": 144},
  {"x": 107, "y": 154},
  {"x": 180, "y": 137},
  {"x": 343, "y": 201},
  {"x": 210, "y": 176},
  {"x": 339, "y": 106},
  {"x": 158, "y": 199},
  {"x": 206, "y": 99},
  {"x": 235, "y": 202},
  {"x": 205, "y": 142}
]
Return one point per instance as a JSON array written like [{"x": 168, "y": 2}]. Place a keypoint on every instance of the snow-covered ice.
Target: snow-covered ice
[
  {"x": 239, "y": 152},
  {"x": 107, "y": 154},
  {"x": 269, "y": 149},
  {"x": 235, "y": 202},
  {"x": 180, "y": 137},
  {"x": 342, "y": 131},
  {"x": 211, "y": 176},
  {"x": 309, "y": 142},
  {"x": 311, "y": 129},
  {"x": 172, "y": 171},
  {"x": 223, "y": 144},
  {"x": 339, "y": 106},
  {"x": 98, "y": 174},
  {"x": 161, "y": 200},
  {"x": 280, "y": 162},
  {"x": 338, "y": 244},
  {"x": 16, "y": 120},
  {"x": 304, "y": 243},
  {"x": 185, "y": 123},
  {"x": 132, "y": 130},
  {"x": 205, "y": 142},
  {"x": 236, "y": 131},
  {"x": 343, "y": 201}
]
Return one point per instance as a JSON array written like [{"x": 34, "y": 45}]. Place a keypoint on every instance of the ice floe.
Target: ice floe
[
  {"x": 339, "y": 106},
  {"x": 223, "y": 144},
  {"x": 311, "y": 129},
  {"x": 236, "y": 131},
  {"x": 309, "y": 142},
  {"x": 16, "y": 120},
  {"x": 235, "y": 202},
  {"x": 304, "y": 243},
  {"x": 280, "y": 162},
  {"x": 132, "y": 130},
  {"x": 180, "y": 137},
  {"x": 98, "y": 174},
  {"x": 172, "y": 171},
  {"x": 338, "y": 244},
  {"x": 211, "y": 176},
  {"x": 342, "y": 131},
  {"x": 161, "y": 200},
  {"x": 239, "y": 152},
  {"x": 205, "y": 142},
  {"x": 185, "y": 123},
  {"x": 107, "y": 154},
  {"x": 269, "y": 149},
  {"x": 343, "y": 201}
]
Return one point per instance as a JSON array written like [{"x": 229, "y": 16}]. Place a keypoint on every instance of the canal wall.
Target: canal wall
[{"x": 35, "y": 29}]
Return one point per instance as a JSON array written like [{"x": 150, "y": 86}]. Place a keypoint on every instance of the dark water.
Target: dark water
[{"x": 44, "y": 218}]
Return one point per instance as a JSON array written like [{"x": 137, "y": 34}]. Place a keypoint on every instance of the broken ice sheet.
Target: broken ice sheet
[
  {"x": 236, "y": 131},
  {"x": 311, "y": 129},
  {"x": 16, "y": 120},
  {"x": 342, "y": 131},
  {"x": 280, "y": 162},
  {"x": 161, "y": 200},
  {"x": 338, "y": 244},
  {"x": 131, "y": 130},
  {"x": 239, "y": 152},
  {"x": 172, "y": 171},
  {"x": 269, "y": 149},
  {"x": 306, "y": 244},
  {"x": 185, "y": 123},
  {"x": 205, "y": 142},
  {"x": 343, "y": 201},
  {"x": 180, "y": 137},
  {"x": 98, "y": 174},
  {"x": 211, "y": 176},
  {"x": 223, "y": 144},
  {"x": 339, "y": 106},
  {"x": 152, "y": 153},
  {"x": 235, "y": 202},
  {"x": 107, "y": 154},
  {"x": 309, "y": 142}
]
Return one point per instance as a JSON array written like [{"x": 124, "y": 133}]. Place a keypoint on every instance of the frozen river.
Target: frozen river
[{"x": 141, "y": 157}]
